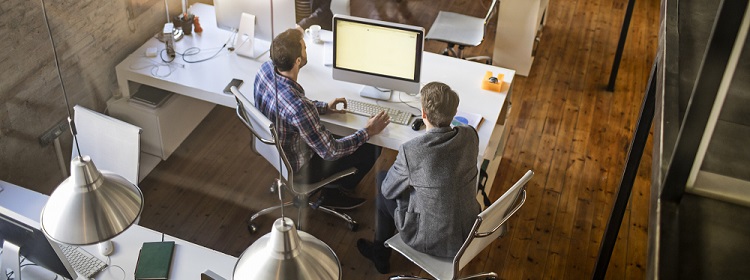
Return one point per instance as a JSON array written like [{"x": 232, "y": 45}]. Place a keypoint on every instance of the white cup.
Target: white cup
[{"x": 314, "y": 32}]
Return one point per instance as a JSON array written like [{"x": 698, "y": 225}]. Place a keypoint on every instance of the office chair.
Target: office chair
[
  {"x": 112, "y": 144},
  {"x": 462, "y": 30},
  {"x": 487, "y": 227},
  {"x": 265, "y": 143}
]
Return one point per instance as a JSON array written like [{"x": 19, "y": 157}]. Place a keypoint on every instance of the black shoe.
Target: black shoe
[
  {"x": 380, "y": 257},
  {"x": 335, "y": 199}
]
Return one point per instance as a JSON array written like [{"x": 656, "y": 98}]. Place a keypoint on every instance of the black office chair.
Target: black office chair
[
  {"x": 488, "y": 227},
  {"x": 265, "y": 144},
  {"x": 462, "y": 31}
]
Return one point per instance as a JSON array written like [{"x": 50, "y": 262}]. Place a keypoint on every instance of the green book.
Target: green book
[{"x": 154, "y": 260}]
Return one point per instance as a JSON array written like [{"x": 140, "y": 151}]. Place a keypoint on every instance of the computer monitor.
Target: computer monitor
[
  {"x": 21, "y": 236},
  {"x": 271, "y": 16},
  {"x": 377, "y": 54}
]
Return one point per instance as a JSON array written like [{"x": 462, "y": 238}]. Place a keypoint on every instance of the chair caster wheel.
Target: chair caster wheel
[
  {"x": 353, "y": 226},
  {"x": 252, "y": 228}
]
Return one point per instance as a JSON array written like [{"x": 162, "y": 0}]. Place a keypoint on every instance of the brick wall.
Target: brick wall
[{"x": 91, "y": 37}]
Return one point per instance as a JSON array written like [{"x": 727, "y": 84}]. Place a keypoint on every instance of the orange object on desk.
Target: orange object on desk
[
  {"x": 198, "y": 28},
  {"x": 496, "y": 86}
]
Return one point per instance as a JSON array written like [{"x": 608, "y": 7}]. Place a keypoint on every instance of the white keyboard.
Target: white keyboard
[
  {"x": 83, "y": 262},
  {"x": 369, "y": 110}
]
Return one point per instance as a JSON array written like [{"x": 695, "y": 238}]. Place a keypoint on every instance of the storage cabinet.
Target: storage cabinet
[
  {"x": 519, "y": 30},
  {"x": 164, "y": 128}
]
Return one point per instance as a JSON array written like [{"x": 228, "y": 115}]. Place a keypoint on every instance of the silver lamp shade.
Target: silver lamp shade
[
  {"x": 90, "y": 206},
  {"x": 286, "y": 253}
]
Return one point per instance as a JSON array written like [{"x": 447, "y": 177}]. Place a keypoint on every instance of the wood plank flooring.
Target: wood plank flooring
[{"x": 563, "y": 125}]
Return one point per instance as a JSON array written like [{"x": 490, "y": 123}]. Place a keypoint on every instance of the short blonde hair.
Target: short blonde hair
[{"x": 439, "y": 103}]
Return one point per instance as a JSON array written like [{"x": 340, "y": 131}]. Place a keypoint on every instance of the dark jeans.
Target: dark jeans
[
  {"x": 317, "y": 168},
  {"x": 385, "y": 226}
]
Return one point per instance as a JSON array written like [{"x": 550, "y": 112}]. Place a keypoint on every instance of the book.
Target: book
[
  {"x": 150, "y": 96},
  {"x": 154, "y": 260},
  {"x": 463, "y": 118}
]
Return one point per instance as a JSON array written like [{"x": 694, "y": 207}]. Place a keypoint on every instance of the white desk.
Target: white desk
[
  {"x": 188, "y": 262},
  {"x": 206, "y": 81}
]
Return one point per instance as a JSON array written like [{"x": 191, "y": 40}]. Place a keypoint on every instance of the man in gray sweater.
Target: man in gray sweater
[{"x": 429, "y": 194}]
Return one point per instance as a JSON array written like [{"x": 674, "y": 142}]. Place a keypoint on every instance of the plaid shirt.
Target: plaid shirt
[{"x": 300, "y": 131}]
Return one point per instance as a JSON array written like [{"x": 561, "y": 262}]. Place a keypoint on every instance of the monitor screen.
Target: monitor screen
[
  {"x": 229, "y": 13},
  {"x": 377, "y": 53},
  {"x": 25, "y": 234}
]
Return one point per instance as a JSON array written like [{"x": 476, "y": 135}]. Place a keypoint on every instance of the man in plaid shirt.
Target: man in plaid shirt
[{"x": 313, "y": 151}]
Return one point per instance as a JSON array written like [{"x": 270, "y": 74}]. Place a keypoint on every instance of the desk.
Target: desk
[
  {"x": 206, "y": 80},
  {"x": 188, "y": 262}
]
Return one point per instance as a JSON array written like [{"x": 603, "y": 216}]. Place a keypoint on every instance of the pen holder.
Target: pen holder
[
  {"x": 185, "y": 22},
  {"x": 489, "y": 82}
]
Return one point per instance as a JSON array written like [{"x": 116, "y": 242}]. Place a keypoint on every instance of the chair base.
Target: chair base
[
  {"x": 484, "y": 275},
  {"x": 450, "y": 51},
  {"x": 351, "y": 223}
]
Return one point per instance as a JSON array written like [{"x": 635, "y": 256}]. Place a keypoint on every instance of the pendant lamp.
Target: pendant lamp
[{"x": 90, "y": 206}]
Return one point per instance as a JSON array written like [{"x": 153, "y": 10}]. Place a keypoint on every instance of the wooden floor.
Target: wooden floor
[{"x": 563, "y": 125}]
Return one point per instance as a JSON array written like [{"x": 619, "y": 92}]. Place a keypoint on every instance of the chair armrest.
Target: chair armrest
[{"x": 304, "y": 189}]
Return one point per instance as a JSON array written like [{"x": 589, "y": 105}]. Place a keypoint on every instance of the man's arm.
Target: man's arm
[
  {"x": 397, "y": 179},
  {"x": 318, "y": 138}
]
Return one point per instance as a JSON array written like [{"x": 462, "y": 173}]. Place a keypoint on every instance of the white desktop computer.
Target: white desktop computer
[
  {"x": 271, "y": 18},
  {"x": 382, "y": 55}
]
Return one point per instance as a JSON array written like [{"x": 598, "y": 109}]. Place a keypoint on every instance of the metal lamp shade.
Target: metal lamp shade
[
  {"x": 90, "y": 206},
  {"x": 286, "y": 253}
]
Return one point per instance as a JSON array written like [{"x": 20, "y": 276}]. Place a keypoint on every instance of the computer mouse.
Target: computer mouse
[
  {"x": 106, "y": 248},
  {"x": 417, "y": 124}
]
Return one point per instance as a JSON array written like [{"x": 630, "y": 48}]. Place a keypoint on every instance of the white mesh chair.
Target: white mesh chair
[
  {"x": 461, "y": 30},
  {"x": 487, "y": 228},
  {"x": 264, "y": 143}
]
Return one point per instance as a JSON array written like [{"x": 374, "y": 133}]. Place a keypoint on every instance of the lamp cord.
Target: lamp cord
[
  {"x": 59, "y": 76},
  {"x": 276, "y": 124}
]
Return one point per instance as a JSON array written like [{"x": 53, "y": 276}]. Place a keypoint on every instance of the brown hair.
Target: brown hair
[
  {"x": 285, "y": 49},
  {"x": 439, "y": 103}
]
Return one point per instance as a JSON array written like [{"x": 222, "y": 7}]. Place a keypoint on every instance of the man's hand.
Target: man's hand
[
  {"x": 377, "y": 123},
  {"x": 332, "y": 105}
]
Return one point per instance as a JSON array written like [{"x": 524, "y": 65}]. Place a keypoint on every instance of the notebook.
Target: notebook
[
  {"x": 150, "y": 96},
  {"x": 154, "y": 260}
]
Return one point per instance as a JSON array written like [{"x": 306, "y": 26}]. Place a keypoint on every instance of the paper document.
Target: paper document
[
  {"x": 463, "y": 118},
  {"x": 328, "y": 53}
]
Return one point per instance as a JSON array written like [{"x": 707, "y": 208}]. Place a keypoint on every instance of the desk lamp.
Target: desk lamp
[
  {"x": 286, "y": 253},
  {"x": 90, "y": 206}
]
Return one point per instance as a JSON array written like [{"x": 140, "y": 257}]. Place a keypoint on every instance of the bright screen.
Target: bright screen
[
  {"x": 379, "y": 50},
  {"x": 382, "y": 56}
]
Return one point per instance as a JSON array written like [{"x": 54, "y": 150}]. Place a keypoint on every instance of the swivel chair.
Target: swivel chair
[
  {"x": 265, "y": 143},
  {"x": 488, "y": 226},
  {"x": 462, "y": 30}
]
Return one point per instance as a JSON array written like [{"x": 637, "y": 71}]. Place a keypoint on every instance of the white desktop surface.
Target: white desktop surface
[
  {"x": 188, "y": 262},
  {"x": 206, "y": 80}
]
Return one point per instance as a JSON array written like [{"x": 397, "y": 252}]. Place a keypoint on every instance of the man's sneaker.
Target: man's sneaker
[
  {"x": 379, "y": 255},
  {"x": 335, "y": 199}
]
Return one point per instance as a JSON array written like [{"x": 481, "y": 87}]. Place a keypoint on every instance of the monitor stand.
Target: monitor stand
[
  {"x": 11, "y": 260},
  {"x": 375, "y": 93}
]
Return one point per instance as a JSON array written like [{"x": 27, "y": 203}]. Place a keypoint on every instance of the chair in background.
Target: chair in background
[
  {"x": 112, "y": 144},
  {"x": 487, "y": 227},
  {"x": 264, "y": 143},
  {"x": 462, "y": 30}
]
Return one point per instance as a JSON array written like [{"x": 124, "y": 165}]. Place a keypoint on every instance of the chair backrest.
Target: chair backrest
[
  {"x": 490, "y": 12},
  {"x": 265, "y": 142},
  {"x": 487, "y": 225},
  {"x": 112, "y": 144}
]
